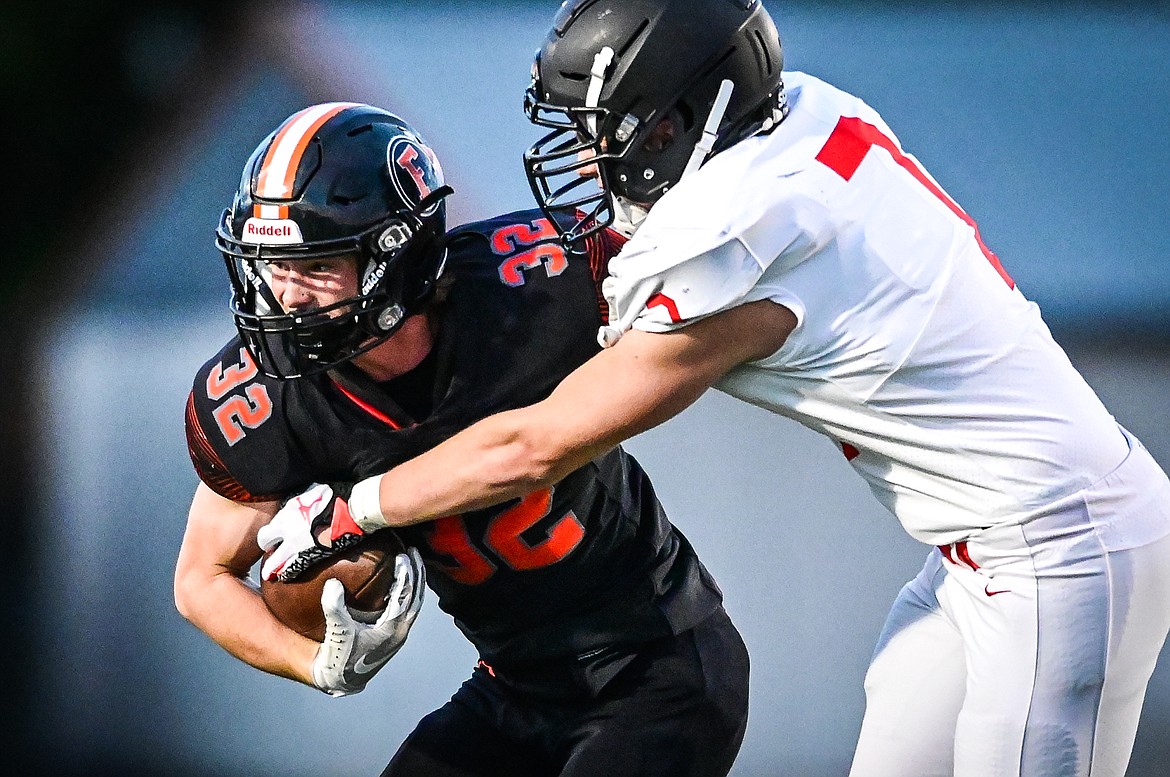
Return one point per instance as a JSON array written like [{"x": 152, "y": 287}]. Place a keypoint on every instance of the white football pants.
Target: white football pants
[{"x": 1026, "y": 651}]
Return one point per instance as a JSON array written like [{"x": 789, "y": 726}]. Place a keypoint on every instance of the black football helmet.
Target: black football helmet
[
  {"x": 611, "y": 70},
  {"x": 334, "y": 179}
]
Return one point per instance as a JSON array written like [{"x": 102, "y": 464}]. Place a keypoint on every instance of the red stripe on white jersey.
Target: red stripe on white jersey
[
  {"x": 666, "y": 302},
  {"x": 958, "y": 554}
]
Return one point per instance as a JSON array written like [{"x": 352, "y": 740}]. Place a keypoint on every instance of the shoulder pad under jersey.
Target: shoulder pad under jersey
[
  {"x": 523, "y": 240},
  {"x": 236, "y": 430},
  {"x": 521, "y": 311}
]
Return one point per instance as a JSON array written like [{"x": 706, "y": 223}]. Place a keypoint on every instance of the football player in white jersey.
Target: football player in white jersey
[{"x": 786, "y": 250}]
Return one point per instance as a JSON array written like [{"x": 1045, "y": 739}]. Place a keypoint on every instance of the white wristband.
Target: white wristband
[{"x": 365, "y": 505}]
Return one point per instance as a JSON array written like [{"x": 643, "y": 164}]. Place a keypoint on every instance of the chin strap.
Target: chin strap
[
  {"x": 601, "y": 62},
  {"x": 710, "y": 129}
]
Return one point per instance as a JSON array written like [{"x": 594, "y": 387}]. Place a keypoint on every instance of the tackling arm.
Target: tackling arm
[
  {"x": 633, "y": 386},
  {"x": 213, "y": 592}
]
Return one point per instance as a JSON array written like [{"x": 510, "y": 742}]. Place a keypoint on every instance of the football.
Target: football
[{"x": 365, "y": 569}]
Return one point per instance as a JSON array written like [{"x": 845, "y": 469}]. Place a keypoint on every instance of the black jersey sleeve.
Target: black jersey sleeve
[{"x": 237, "y": 435}]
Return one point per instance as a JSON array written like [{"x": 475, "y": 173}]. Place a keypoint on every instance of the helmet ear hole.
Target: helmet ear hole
[{"x": 664, "y": 134}]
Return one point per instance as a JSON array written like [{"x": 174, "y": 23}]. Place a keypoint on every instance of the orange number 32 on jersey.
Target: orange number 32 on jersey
[
  {"x": 503, "y": 536},
  {"x": 238, "y": 411}
]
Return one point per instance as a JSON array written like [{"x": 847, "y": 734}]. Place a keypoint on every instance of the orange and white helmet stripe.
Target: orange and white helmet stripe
[{"x": 278, "y": 171}]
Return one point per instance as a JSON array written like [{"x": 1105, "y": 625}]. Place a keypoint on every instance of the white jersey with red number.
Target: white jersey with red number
[{"x": 914, "y": 350}]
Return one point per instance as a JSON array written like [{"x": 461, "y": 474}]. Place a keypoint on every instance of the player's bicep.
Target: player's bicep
[
  {"x": 221, "y": 535},
  {"x": 647, "y": 378}
]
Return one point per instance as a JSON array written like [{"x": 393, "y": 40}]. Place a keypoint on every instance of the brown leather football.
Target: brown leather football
[{"x": 366, "y": 570}]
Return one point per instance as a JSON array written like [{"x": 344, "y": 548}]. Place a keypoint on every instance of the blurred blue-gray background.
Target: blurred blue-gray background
[{"x": 1048, "y": 123}]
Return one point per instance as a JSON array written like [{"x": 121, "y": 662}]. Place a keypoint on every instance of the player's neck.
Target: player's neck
[{"x": 401, "y": 352}]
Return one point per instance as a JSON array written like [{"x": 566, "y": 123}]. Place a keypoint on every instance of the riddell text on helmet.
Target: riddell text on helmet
[
  {"x": 271, "y": 231},
  {"x": 255, "y": 229}
]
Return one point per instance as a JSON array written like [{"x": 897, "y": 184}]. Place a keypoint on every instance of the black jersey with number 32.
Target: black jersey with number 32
[{"x": 564, "y": 571}]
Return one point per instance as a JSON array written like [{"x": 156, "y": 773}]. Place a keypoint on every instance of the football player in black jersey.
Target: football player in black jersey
[{"x": 368, "y": 335}]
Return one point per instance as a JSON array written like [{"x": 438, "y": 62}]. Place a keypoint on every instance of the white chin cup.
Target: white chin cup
[{"x": 627, "y": 216}]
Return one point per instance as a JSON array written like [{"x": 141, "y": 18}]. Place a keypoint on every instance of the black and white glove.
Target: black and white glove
[
  {"x": 290, "y": 538},
  {"x": 353, "y": 652}
]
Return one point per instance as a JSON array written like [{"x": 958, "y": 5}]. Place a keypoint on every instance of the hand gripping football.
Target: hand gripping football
[{"x": 366, "y": 570}]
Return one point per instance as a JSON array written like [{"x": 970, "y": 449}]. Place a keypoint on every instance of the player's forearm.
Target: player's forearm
[
  {"x": 517, "y": 452},
  {"x": 502, "y": 457},
  {"x": 232, "y": 614}
]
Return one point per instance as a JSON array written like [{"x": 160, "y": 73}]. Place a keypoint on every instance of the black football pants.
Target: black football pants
[{"x": 679, "y": 709}]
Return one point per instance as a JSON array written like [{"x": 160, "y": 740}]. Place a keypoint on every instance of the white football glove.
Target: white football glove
[
  {"x": 353, "y": 652},
  {"x": 291, "y": 535}
]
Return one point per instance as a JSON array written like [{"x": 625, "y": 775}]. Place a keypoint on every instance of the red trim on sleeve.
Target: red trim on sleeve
[{"x": 666, "y": 302}]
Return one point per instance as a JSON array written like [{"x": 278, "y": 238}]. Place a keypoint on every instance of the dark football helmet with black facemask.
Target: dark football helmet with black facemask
[
  {"x": 335, "y": 179},
  {"x": 611, "y": 71}
]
